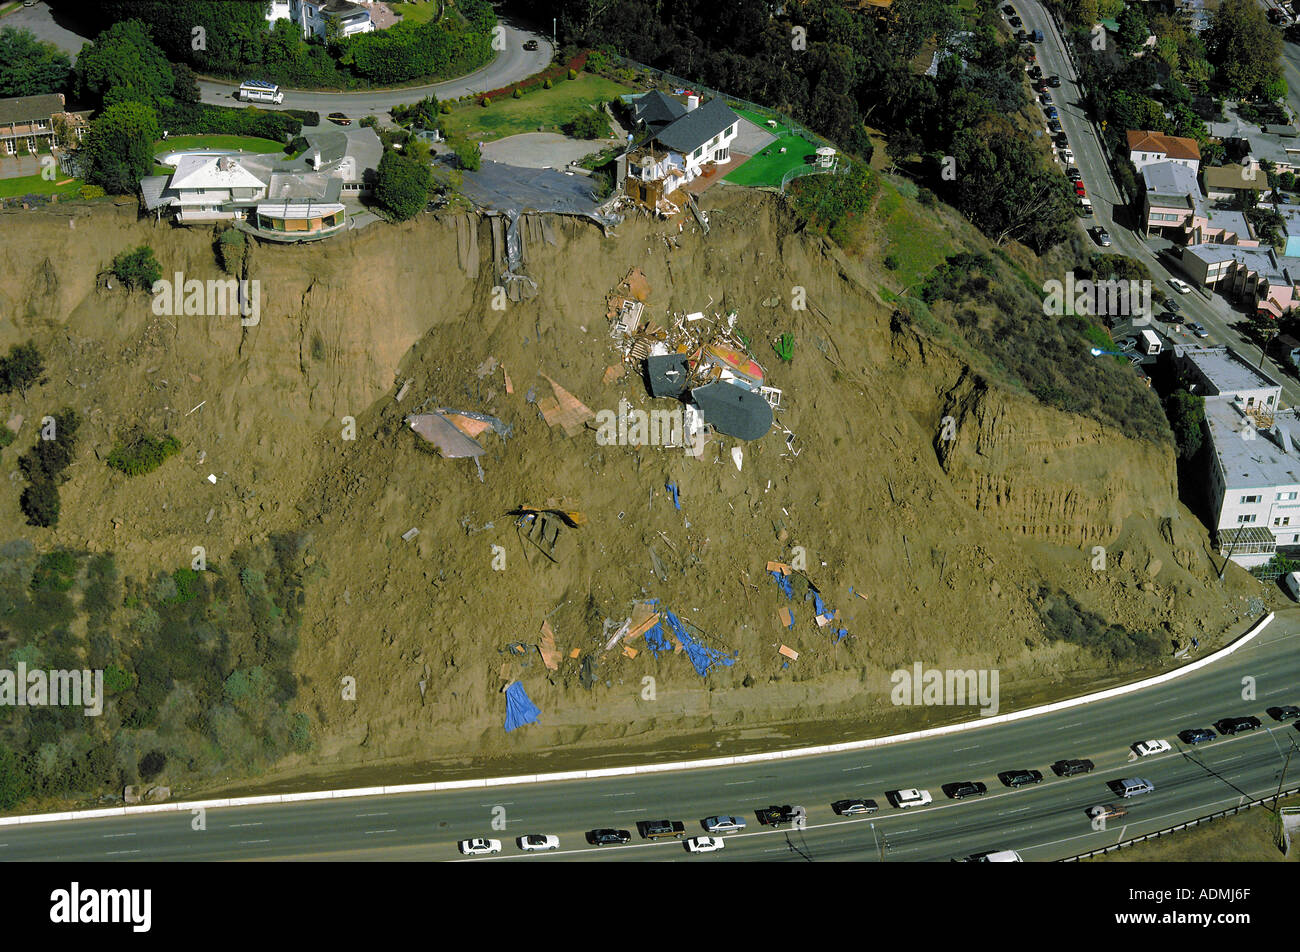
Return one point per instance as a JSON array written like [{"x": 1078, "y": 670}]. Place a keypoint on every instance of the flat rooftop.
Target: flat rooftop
[
  {"x": 1227, "y": 372},
  {"x": 1250, "y": 463}
]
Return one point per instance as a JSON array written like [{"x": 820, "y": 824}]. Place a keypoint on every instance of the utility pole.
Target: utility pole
[
  {"x": 880, "y": 852},
  {"x": 553, "y": 31}
]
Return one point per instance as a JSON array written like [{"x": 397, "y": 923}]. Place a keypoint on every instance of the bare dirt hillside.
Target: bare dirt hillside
[{"x": 949, "y": 540}]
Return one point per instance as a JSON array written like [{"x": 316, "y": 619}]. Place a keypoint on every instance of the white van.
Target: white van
[
  {"x": 257, "y": 90},
  {"x": 1085, "y": 206},
  {"x": 1134, "y": 786},
  {"x": 1001, "y": 856},
  {"x": 1292, "y": 584}
]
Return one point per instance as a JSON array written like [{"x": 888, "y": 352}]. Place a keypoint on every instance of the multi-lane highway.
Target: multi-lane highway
[
  {"x": 1111, "y": 208},
  {"x": 1043, "y": 822}
]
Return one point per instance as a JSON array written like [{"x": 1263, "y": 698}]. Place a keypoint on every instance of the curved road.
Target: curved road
[
  {"x": 1043, "y": 822},
  {"x": 511, "y": 64}
]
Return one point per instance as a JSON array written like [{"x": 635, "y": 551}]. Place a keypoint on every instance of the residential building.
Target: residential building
[
  {"x": 1258, "y": 275},
  {"x": 1147, "y": 148},
  {"x": 1254, "y": 478},
  {"x": 1290, "y": 228},
  {"x": 1173, "y": 206},
  {"x": 1230, "y": 182},
  {"x": 314, "y": 15},
  {"x": 1276, "y": 144},
  {"x": 675, "y": 151},
  {"x": 273, "y": 198},
  {"x": 32, "y": 121}
]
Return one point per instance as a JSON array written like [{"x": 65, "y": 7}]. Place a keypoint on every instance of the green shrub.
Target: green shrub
[
  {"x": 517, "y": 94},
  {"x": 137, "y": 269},
  {"x": 142, "y": 454},
  {"x": 7, "y": 436},
  {"x": 487, "y": 100},
  {"x": 40, "y": 503},
  {"x": 231, "y": 248},
  {"x": 91, "y": 191},
  {"x": 297, "y": 146},
  {"x": 20, "y": 369},
  {"x": 586, "y": 124},
  {"x": 546, "y": 83},
  {"x": 891, "y": 262},
  {"x": 56, "y": 571},
  {"x": 573, "y": 74}
]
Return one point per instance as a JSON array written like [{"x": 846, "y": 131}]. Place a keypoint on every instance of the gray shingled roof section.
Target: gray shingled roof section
[
  {"x": 698, "y": 126},
  {"x": 151, "y": 187},
  {"x": 658, "y": 109},
  {"x": 25, "y": 108}
]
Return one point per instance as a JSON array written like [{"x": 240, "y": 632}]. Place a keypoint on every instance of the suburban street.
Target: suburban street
[
  {"x": 1215, "y": 313},
  {"x": 1047, "y": 821},
  {"x": 511, "y": 64}
]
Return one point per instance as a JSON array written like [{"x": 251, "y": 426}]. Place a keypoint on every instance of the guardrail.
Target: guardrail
[{"x": 1232, "y": 811}]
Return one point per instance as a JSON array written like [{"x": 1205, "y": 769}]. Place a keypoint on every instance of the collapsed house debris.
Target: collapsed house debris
[{"x": 701, "y": 361}]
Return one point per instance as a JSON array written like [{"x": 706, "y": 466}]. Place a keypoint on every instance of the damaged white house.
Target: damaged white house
[{"x": 679, "y": 143}]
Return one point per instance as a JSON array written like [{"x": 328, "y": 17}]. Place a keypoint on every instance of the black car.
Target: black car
[
  {"x": 1197, "y": 735},
  {"x": 1062, "y": 142},
  {"x": 1287, "y": 713},
  {"x": 1020, "y": 778},
  {"x": 1015, "y": 21},
  {"x": 530, "y": 45},
  {"x": 1073, "y": 174},
  {"x": 1053, "y": 81},
  {"x": 964, "y": 788},
  {"x": 1172, "y": 304},
  {"x": 1235, "y": 725},
  {"x": 854, "y": 807},
  {"x": 1009, "y": 10},
  {"x": 1068, "y": 768},
  {"x": 776, "y": 815},
  {"x": 608, "y": 837},
  {"x": 1035, "y": 72},
  {"x": 1171, "y": 317}
]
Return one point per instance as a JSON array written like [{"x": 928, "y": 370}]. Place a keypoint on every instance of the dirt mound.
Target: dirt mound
[{"x": 931, "y": 549}]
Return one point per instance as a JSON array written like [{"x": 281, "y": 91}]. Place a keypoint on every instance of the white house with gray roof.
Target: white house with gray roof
[
  {"x": 313, "y": 16},
  {"x": 675, "y": 151},
  {"x": 1254, "y": 478}
]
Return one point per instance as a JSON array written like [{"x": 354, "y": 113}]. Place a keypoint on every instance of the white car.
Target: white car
[
  {"x": 1149, "y": 748},
  {"x": 535, "y": 842},
  {"x": 479, "y": 846},
  {"x": 724, "y": 824},
  {"x": 911, "y": 798},
  {"x": 1179, "y": 285},
  {"x": 704, "y": 844}
]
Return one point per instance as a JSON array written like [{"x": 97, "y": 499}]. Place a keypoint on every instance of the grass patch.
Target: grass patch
[
  {"x": 768, "y": 167},
  {"x": 415, "y": 13},
  {"x": 35, "y": 185},
  {"x": 913, "y": 235},
  {"x": 246, "y": 143},
  {"x": 1250, "y": 836},
  {"x": 548, "y": 109}
]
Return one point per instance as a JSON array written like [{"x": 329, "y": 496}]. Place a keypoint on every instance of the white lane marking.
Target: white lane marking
[
  {"x": 847, "y": 769},
  {"x": 628, "y": 794},
  {"x": 371, "y": 832},
  {"x": 737, "y": 783},
  {"x": 960, "y": 749},
  {"x": 981, "y": 763},
  {"x": 109, "y": 836},
  {"x": 1068, "y": 726},
  {"x": 235, "y": 826},
  {"x": 617, "y": 812},
  {"x": 121, "y": 852},
  {"x": 359, "y": 815},
  {"x": 1009, "y": 812},
  {"x": 251, "y": 842},
  {"x": 506, "y": 803}
]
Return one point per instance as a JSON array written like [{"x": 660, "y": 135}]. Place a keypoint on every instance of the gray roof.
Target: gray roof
[
  {"x": 657, "y": 109},
  {"x": 151, "y": 187},
  {"x": 342, "y": 8},
  {"x": 1261, "y": 260},
  {"x": 698, "y": 126},
  {"x": 303, "y": 187},
  {"x": 1248, "y": 463},
  {"x": 26, "y": 108},
  {"x": 1227, "y": 372},
  {"x": 1170, "y": 178},
  {"x": 1231, "y": 219}
]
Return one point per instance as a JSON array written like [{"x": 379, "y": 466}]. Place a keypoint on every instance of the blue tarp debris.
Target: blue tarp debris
[
  {"x": 520, "y": 710},
  {"x": 672, "y": 488},
  {"x": 818, "y": 607},
  {"x": 702, "y": 656},
  {"x": 784, "y": 582}
]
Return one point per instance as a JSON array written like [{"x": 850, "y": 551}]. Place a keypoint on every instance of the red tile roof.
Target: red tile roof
[{"x": 1175, "y": 147}]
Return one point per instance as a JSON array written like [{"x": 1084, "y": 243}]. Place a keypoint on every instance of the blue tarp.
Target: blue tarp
[
  {"x": 672, "y": 488},
  {"x": 702, "y": 656},
  {"x": 818, "y": 607},
  {"x": 784, "y": 582},
  {"x": 520, "y": 710}
]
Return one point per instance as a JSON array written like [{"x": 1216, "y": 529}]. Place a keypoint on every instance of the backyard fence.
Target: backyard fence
[{"x": 839, "y": 168}]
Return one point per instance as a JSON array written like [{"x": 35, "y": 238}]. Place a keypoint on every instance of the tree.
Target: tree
[
  {"x": 402, "y": 186},
  {"x": 1244, "y": 47},
  {"x": 1133, "y": 28},
  {"x": 586, "y": 124},
  {"x": 123, "y": 64},
  {"x": 138, "y": 268},
  {"x": 119, "y": 147},
  {"x": 467, "y": 153},
  {"x": 30, "y": 67},
  {"x": 1186, "y": 412},
  {"x": 185, "y": 88},
  {"x": 14, "y": 782},
  {"x": 22, "y": 368}
]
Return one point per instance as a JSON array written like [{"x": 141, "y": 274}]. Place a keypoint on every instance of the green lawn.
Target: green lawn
[
  {"x": 246, "y": 143},
  {"x": 544, "y": 108},
  {"x": 415, "y": 13},
  {"x": 34, "y": 184},
  {"x": 768, "y": 167}
]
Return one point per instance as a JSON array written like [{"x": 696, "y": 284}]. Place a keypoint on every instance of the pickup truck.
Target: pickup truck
[
  {"x": 661, "y": 829},
  {"x": 775, "y": 816}
]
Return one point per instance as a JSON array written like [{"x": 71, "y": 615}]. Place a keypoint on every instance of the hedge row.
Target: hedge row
[
  {"x": 197, "y": 118},
  {"x": 143, "y": 455},
  {"x": 535, "y": 81}
]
